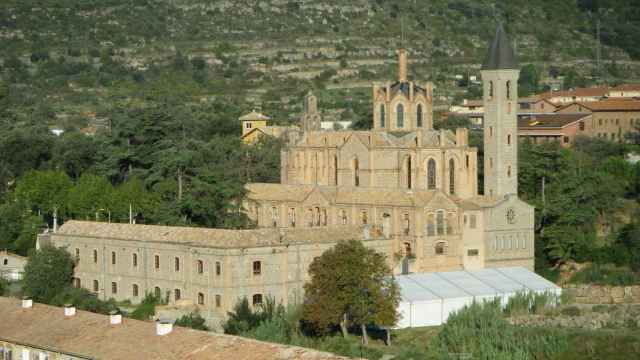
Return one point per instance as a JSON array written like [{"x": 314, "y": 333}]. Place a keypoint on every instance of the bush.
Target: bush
[
  {"x": 83, "y": 299},
  {"x": 571, "y": 311},
  {"x": 147, "y": 308},
  {"x": 606, "y": 274},
  {"x": 193, "y": 321}
]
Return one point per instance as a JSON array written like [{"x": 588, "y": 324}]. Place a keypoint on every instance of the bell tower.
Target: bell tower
[
  {"x": 310, "y": 116},
  {"x": 500, "y": 98}
]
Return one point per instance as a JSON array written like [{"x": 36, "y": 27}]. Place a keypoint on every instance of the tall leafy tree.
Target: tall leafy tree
[
  {"x": 47, "y": 272},
  {"x": 351, "y": 284}
]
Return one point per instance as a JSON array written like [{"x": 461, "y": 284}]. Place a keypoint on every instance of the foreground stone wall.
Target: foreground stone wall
[{"x": 600, "y": 294}]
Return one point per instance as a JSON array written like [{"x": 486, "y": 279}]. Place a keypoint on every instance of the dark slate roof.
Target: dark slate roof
[
  {"x": 500, "y": 55},
  {"x": 404, "y": 88}
]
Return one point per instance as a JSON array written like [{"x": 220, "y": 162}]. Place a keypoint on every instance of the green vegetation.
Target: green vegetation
[
  {"x": 586, "y": 201},
  {"x": 147, "y": 307},
  {"x": 606, "y": 274},
  {"x": 193, "y": 321},
  {"x": 350, "y": 285}
]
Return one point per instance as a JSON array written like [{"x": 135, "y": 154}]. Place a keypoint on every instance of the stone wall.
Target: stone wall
[{"x": 600, "y": 294}]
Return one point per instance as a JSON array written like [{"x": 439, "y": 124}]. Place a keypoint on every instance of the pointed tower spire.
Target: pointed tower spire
[{"x": 501, "y": 54}]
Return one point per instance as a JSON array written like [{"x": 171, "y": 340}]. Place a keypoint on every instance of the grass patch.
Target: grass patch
[{"x": 606, "y": 274}]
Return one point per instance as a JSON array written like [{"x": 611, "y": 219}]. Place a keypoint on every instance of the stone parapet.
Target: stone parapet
[{"x": 601, "y": 294}]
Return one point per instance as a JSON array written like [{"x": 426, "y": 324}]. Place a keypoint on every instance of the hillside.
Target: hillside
[{"x": 66, "y": 62}]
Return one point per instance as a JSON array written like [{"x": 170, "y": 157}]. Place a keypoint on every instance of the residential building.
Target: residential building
[
  {"x": 12, "y": 265},
  {"x": 561, "y": 128},
  {"x": 610, "y": 119}
]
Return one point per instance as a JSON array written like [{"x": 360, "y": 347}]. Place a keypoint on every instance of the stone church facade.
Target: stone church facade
[
  {"x": 402, "y": 188},
  {"x": 416, "y": 184}
]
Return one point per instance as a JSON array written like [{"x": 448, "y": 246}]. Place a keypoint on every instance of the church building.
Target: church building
[{"x": 416, "y": 184}]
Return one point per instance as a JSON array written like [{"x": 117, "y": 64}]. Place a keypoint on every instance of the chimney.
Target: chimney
[
  {"x": 402, "y": 65},
  {"x": 163, "y": 327},
  {"x": 27, "y": 303},
  {"x": 69, "y": 310},
  {"x": 115, "y": 317}
]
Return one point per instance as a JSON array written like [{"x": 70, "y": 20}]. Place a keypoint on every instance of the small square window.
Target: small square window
[{"x": 472, "y": 252}]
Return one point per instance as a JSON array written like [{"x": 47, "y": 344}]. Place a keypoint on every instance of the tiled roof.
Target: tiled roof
[
  {"x": 557, "y": 120},
  {"x": 627, "y": 87},
  {"x": 577, "y": 92},
  {"x": 92, "y": 335},
  {"x": 204, "y": 237},
  {"x": 612, "y": 105},
  {"x": 254, "y": 115},
  {"x": 6, "y": 253},
  {"x": 480, "y": 201}
]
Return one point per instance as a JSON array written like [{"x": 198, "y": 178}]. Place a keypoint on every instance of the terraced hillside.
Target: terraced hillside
[{"x": 69, "y": 62}]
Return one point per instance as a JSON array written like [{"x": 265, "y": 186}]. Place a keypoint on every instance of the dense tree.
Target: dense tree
[
  {"x": 351, "y": 284},
  {"x": 47, "y": 273}
]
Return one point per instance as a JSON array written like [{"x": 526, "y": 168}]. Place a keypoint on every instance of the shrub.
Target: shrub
[
  {"x": 606, "y": 274},
  {"x": 147, "y": 308},
  {"x": 83, "y": 299},
  {"x": 571, "y": 311},
  {"x": 193, "y": 321}
]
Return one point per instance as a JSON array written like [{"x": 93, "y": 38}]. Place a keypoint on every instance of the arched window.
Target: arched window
[
  {"x": 452, "y": 177},
  {"x": 134, "y": 260},
  {"x": 157, "y": 292},
  {"x": 440, "y": 248},
  {"x": 419, "y": 116},
  {"x": 431, "y": 174},
  {"x": 95, "y": 256},
  {"x": 509, "y": 89},
  {"x": 400, "y": 116},
  {"x": 509, "y": 139},
  {"x": 356, "y": 172},
  {"x": 113, "y": 258},
  {"x": 382, "y": 115},
  {"x": 200, "y": 299},
  {"x": 200, "y": 266},
  {"x": 490, "y": 89},
  {"x": 96, "y": 286},
  {"x": 343, "y": 217},
  {"x": 134, "y": 290}
]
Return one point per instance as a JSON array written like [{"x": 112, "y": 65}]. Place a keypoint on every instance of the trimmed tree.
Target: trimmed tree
[
  {"x": 351, "y": 285},
  {"x": 47, "y": 273}
]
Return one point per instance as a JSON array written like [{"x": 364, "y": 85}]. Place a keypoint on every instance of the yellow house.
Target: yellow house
[{"x": 251, "y": 123}]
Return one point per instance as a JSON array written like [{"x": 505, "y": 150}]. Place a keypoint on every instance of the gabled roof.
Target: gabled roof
[
  {"x": 501, "y": 54},
  {"x": 549, "y": 121},
  {"x": 611, "y": 105},
  {"x": 254, "y": 115},
  {"x": 91, "y": 336}
]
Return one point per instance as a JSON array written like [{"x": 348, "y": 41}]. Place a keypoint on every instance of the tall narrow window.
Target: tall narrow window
[
  {"x": 95, "y": 256},
  {"x": 490, "y": 89},
  {"x": 257, "y": 268},
  {"x": 343, "y": 217},
  {"x": 157, "y": 292},
  {"x": 509, "y": 171},
  {"x": 114, "y": 288},
  {"x": 407, "y": 224},
  {"x": 134, "y": 290},
  {"x": 274, "y": 216},
  {"x": 419, "y": 116},
  {"x": 134, "y": 260},
  {"x": 324, "y": 217},
  {"x": 408, "y": 166},
  {"x": 431, "y": 174},
  {"x": 452, "y": 177},
  {"x": 356, "y": 172},
  {"x": 177, "y": 294},
  {"x": 200, "y": 299},
  {"x": 218, "y": 300},
  {"x": 382, "y": 116},
  {"x": 292, "y": 217},
  {"x": 509, "y": 89},
  {"x": 365, "y": 218},
  {"x": 218, "y": 268},
  {"x": 96, "y": 286},
  {"x": 431, "y": 225},
  {"x": 509, "y": 139},
  {"x": 400, "y": 116},
  {"x": 156, "y": 262},
  {"x": 77, "y": 283},
  {"x": 77, "y": 255},
  {"x": 200, "y": 266},
  {"x": 113, "y": 258},
  {"x": 440, "y": 222},
  {"x": 176, "y": 262}
]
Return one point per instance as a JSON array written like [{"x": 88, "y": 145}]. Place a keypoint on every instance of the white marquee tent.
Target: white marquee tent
[{"x": 427, "y": 299}]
